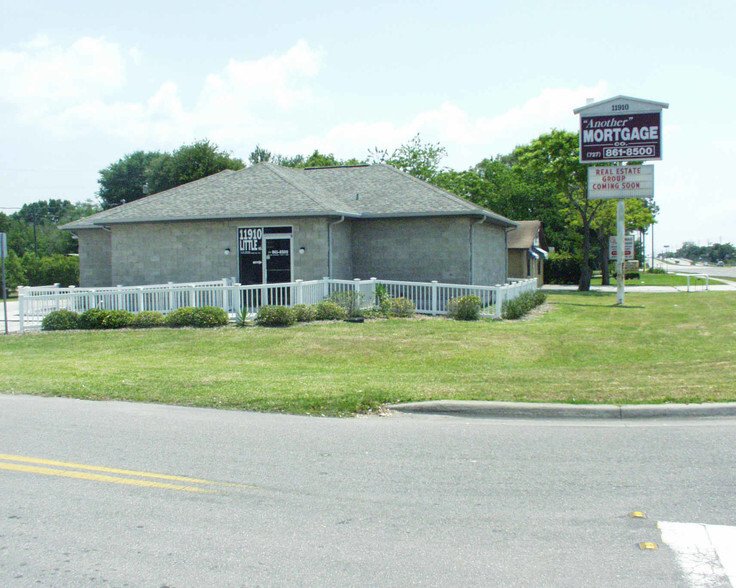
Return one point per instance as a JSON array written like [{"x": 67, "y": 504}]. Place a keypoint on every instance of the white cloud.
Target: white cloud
[
  {"x": 467, "y": 140},
  {"x": 44, "y": 75},
  {"x": 71, "y": 91}
]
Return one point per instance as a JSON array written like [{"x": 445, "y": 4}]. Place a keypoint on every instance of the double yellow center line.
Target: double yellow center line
[{"x": 49, "y": 467}]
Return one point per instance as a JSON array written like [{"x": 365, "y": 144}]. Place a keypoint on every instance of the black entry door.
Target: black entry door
[
  {"x": 278, "y": 260},
  {"x": 278, "y": 268}
]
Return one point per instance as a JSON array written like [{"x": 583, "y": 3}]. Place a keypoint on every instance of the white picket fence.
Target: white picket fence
[{"x": 429, "y": 297}]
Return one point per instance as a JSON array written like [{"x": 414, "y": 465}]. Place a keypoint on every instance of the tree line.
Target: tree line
[{"x": 542, "y": 180}]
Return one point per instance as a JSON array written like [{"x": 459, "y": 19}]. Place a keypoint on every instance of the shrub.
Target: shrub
[
  {"x": 383, "y": 300},
  {"x": 94, "y": 318},
  {"x": 329, "y": 311},
  {"x": 147, "y": 319},
  {"x": 275, "y": 316},
  {"x": 304, "y": 313},
  {"x": 117, "y": 319},
  {"x": 200, "y": 317},
  {"x": 351, "y": 301},
  {"x": 465, "y": 308},
  {"x": 241, "y": 318},
  {"x": 60, "y": 320},
  {"x": 518, "y": 307},
  {"x": 561, "y": 268},
  {"x": 656, "y": 270},
  {"x": 401, "y": 307}
]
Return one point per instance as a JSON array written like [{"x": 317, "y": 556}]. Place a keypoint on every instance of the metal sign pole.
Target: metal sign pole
[{"x": 621, "y": 253}]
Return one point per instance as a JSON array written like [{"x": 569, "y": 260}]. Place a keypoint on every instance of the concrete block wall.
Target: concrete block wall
[
  {"x": 489, "y": 254},
  {"x": 95, "y": 251},
  {"x": 154, "y": 253},
  {"x": 413, "y": 249}
]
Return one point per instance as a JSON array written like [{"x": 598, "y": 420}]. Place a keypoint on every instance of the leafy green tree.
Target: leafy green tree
[
  {"x": 259, "y": 155},
  {"x": 421, "y": 160},
  {"x": 187, "y": 164},
  {"x": 14, "y": 274},
  {"x": 555, "y": 156},
  {"x": 127, "y": 179}
]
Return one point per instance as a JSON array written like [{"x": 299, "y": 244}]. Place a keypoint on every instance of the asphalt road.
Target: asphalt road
[
  {"x": 711, "y": 270},
  {"x": 400, "y": 500}
]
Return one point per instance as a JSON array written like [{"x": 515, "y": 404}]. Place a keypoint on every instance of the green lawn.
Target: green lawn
[
  {"x": 659, "y": 280},
  {"x": 656, "y": 348}
]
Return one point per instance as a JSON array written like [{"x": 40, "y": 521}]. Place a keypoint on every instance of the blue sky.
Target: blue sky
[{"x": 82, "y": 83}]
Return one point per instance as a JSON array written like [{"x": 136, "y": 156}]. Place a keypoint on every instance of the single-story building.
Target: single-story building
[
  {"x": 527, "y": 251},
  {"x": 270, "y": 224}
]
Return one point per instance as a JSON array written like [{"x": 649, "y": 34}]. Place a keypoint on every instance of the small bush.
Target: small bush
[
  {"x": 117, "y": 319},
  {"x": 383, "y": 300},
  {"x": 351, "y": 301},
  {"x": 147, "y": 319},
  {"x": 329, "y": 311},
  {"x": 518, "y": 307},
  {"x": 561, "y": 268},
  {"x": 60, "y": 320},
  {"x": 92, "y": 319},
  {"x": 241, "y": 318},
  {"x": 465, "y": 308},
  {"x": 304, "y": 313},
  {"x": 201, "y": 317},
  {"x": 656, "y": 270},
  {"x": 275, "y": 316},
  {"x": 401, "y": 307}
]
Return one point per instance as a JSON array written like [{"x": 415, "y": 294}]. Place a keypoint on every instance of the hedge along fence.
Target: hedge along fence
[{"x": 427, "y": 297}]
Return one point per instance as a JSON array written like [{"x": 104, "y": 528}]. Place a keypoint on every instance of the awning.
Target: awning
[{"x": 540, "y": 252}]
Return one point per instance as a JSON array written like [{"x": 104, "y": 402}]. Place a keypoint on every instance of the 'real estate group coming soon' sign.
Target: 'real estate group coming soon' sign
[
  {"x": 620, "y": 181},
  {"x": 620, "y": 136}
]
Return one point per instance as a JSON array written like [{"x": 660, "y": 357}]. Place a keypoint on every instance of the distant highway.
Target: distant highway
[{"x": 711, "y": 270}]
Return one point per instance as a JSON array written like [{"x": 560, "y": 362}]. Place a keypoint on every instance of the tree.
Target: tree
[
  {"x": 127, "y": 179},
  {"x": 555, "y": 156},
  {"x": 187, "y": 164},
  {"x": 259, "y": 155},
  {"x": 421, "y": 160},
  {"x": 142, "y": 173}
]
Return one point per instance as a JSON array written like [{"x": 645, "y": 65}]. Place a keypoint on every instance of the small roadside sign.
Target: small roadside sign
[
  {"x": 620, "y": 181},
  {"x": 628, "y": 247}
]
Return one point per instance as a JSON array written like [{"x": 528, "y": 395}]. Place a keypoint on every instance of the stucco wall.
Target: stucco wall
[
  {"x": 95, "y": 268},
  {"x": 415, "y": 249},
  {"x": 151, "y": 253}
]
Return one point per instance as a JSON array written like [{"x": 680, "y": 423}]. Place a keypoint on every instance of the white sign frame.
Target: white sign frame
[{"x": 620, "y": 181}]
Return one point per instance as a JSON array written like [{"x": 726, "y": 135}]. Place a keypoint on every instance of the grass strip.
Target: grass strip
[{"x": 656, "y": 348}]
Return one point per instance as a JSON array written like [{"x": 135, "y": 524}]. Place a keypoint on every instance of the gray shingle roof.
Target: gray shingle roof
[{"x": 267, "y": 190}]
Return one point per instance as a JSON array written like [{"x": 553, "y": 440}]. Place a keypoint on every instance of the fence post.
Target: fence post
[
  {"x": 57, "y": 298},
  {"x": 225, "y": 284},
  {"x": 73, "y": 298},
  {"x": 192, "y": 300},
  {"x": 139, "y": 299},
  {"x": 171, "y": 296},
  {"x": 499, "y": 302},
  {"x": 435, "y": 310},
  {"x": 119, "y": 298},
  {"x": 326, "y": 288},
  {"x": 299, "y": 293}
]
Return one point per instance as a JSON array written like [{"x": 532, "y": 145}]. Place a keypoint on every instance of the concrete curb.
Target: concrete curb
[{"x": 530, "y": 410}]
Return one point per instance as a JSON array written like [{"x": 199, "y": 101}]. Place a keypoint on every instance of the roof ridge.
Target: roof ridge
[{"x": 276, "y": 171}]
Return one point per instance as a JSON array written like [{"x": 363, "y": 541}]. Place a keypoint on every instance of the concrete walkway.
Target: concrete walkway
[
  {"x": 13, "y": 320},
  {"x": 644, "y": 289},
  {"x": 531, "y": 410}
]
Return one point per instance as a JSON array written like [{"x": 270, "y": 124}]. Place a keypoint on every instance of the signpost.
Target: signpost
[{"x": 616, "y": 130}]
